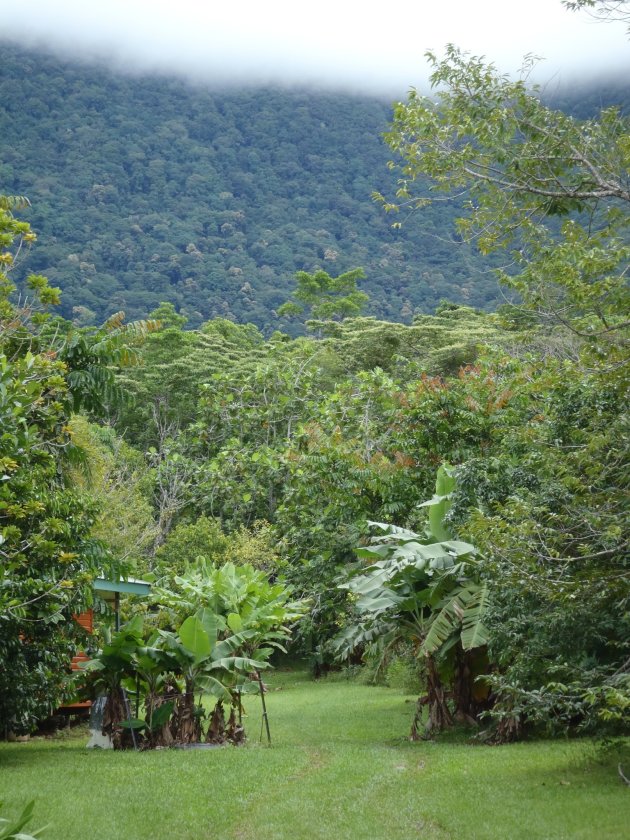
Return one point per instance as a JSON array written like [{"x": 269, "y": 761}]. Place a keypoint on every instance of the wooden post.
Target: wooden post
[{"x": 265, "y": 718}]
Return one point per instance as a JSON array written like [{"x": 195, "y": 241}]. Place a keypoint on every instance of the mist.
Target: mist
[{"x": 334, "y": 45}]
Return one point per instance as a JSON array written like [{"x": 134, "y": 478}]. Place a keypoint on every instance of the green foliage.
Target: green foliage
[
  {"x": 218, "y": 628},
  {"x": 256, "y": 546},
  {"x": 440, "y": 504},
  {"x": 47, "y": 554},
  {"x": 326, "y": 297},
  {"x": 544, "y": 496},
  {"x": 167, "y": 316},
  {"x": 427, "y": 596},
  {"x": 173, "y": 365},
  {"x": 12, "y": 829},
  {"x": 240, "y": 598},
  {"x": 149, "y": 189},
  {"x": 404, "y": 672},
  {"x": 50, "y": 548},
  {"x": 548, "y": 510},
  {"x": 157, "y": 718},
  {"x": 92, "y": 356},
  {"x": 115, "y": 660},
  {"x": 293, "y": 421},
  {"x": 522, "y": 164},
  {"x": 438, "y": 344},
  {"x": 118, "y": 478},
  {"x": 428, "y": 591},
  {"x": 190, "y": 543}
]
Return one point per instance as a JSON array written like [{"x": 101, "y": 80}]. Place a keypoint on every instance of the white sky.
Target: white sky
[{"x": 376, "y": 47}]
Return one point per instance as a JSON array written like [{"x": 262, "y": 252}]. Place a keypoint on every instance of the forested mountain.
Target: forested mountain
[{"x": 146, "y": 189}]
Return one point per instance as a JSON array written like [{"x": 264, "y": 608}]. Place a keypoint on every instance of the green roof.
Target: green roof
[{"x": 130, "y": 587}]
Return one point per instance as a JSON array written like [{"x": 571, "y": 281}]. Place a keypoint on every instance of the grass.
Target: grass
[{"x": 339, "y": 768}]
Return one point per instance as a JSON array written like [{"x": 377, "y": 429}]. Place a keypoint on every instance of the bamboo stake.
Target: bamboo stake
[{"x": 265, "y": 718}]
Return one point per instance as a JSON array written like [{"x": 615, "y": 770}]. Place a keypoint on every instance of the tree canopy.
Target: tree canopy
[
  {"x": 550, "y": 190},
  {"x": 146, "y": 189}
]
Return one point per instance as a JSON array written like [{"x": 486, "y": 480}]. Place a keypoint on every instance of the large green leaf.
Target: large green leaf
[
  {"x": 194, "y": 638},
  {"x": 390, "y": 530},
  {"x": 239, "y": 663},
  {"x": 460, "y": 612},
  {"x": 211, "y": 623},
  {"x": 371, "y": 551},
  {"x": 133, "y": 723},
  {"x": 235, "y": 622},
  {"x": 235, "y": 643},
  {"x": 444, "y": 623},
  {"x": 214, "y": 686},
  {"x": 382, "y": 601},
  {"x": 161, "y": 715},
  {"x": 440, "y": 504},
  {"x": 474, "y": 632}
]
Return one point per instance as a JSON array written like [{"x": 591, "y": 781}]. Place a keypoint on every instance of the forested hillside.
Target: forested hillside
[{"x": 147, "y": 189}]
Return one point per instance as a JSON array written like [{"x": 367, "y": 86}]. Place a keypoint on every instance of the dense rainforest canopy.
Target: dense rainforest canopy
[{"x": 149, "y": 189}]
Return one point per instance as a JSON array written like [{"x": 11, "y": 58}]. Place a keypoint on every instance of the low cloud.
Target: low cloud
[{"x": 344, "y": 45}]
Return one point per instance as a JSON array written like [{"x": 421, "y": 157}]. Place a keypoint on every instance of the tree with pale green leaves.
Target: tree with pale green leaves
[
  {"x": 325, "y": 297},
  {"x": 550, "y": 191}
]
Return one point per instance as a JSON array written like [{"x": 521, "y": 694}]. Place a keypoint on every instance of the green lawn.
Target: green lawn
[{"x": 339, "y": 768}]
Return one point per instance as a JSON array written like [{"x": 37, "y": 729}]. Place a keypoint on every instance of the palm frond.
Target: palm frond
[
  {"x": 14, "y": 202},
  {"x": 460, "y": 613},
  {"x": 474, "y": 632}
]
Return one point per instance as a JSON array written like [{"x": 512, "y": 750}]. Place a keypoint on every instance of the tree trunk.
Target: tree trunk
[
  {"x": 508, "y": 729},
  {"x": 113, "y": 715},
  {"x": 162, "y": 737},
  {"x": 439, "y": 713},
  {"x": 463, "y": 688},
  {"x": 216, "y": 729},
  {"x": 186, "y": 725},
  {"x": 234, "y": 731}
]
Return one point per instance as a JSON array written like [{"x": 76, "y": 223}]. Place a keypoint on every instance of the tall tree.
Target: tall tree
[
  {"x": 548, "y": 188},
  {"x": 546, "y": 501},
  {"x": 326, "y": 297},
  {"x": 48, "y": 554}
]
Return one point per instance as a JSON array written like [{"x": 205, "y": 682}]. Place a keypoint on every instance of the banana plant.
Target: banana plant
[
  {"x": 242, "y": 599},
  {"x": 426, "y": 590},
  {"x": 204, "y": 662},
  {"x": 106, "y": 672},
  {"x": 154, "y": 678}
]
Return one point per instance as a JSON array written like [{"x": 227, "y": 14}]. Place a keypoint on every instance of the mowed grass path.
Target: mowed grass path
[{"x": 339, "y": 768}]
